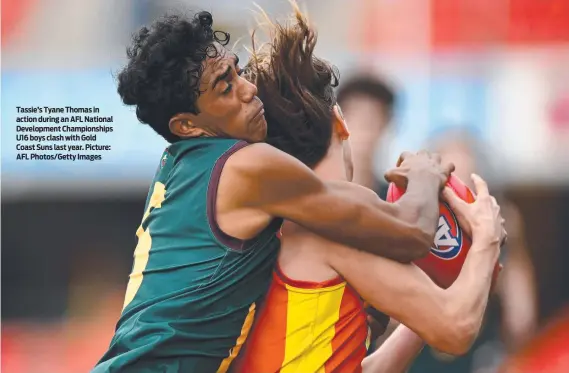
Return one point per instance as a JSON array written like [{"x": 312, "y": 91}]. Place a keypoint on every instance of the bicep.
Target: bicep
[
  {"x": 318, "y": 207},
  {"x": 282, "y": 186}
]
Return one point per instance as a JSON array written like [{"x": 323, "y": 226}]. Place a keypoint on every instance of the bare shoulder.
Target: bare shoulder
[
  {"x": 237, "y": 212},
  {"x": 244, "y": 156},
  {"x": 352, "y": 187},
  {"x": 267, "y": 176},
  {"x": 259, "y": 182},
  {"x": 247, "y": 165},
  {"x": 261, "y": 158},
  {"x": 240, "y": 169}
]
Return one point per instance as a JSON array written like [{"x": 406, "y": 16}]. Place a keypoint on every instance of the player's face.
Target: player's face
[{"x": 228, "y": 105}]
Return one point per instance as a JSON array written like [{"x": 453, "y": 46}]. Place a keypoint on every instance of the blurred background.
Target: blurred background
[{"x": 484, "y": 82}]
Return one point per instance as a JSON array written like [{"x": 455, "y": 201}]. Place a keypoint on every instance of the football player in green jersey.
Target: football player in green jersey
[{"x": 207, "y": 242}]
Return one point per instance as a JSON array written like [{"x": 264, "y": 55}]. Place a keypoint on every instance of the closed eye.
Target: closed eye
[
  {"x": 228, "y": 77},
  {"x": 239, "y": 72},
  {"x": 228, "y": 89}
]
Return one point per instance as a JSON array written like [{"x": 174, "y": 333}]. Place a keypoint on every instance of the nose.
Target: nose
[{"x": 249, "y": 90}]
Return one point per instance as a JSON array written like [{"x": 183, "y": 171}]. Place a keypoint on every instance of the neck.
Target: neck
[
  {"x": 332, "y": 166},
  {"x": 363, "y": 172},
  {"x": 207, "y": 132},
  {"x": 200, "y": 134}
]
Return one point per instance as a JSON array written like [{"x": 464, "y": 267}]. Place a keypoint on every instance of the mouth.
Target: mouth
[{"x": 259, "y": 114}]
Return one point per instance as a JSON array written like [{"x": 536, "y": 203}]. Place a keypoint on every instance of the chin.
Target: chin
[{"x": 261, "y": 136}]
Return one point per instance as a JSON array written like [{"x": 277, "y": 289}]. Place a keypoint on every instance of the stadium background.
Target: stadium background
[{"x": 498, "y": 68}]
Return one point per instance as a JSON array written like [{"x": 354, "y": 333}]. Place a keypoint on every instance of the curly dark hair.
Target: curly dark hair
[
  {"x": 165, "y": 66},
  {"x": 297, "y": 90}
]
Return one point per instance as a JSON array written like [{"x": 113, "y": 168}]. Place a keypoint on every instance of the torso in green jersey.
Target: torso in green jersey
[{"x": 192, "y": 293}]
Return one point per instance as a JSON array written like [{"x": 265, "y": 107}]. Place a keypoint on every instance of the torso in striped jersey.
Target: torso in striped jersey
[{"x": 307, "y": 327}]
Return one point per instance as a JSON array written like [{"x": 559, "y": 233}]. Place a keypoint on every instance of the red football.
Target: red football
[{"x": 444, "y": 262}]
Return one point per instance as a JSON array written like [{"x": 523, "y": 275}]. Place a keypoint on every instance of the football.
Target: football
[{"x": 451, "y": 244}]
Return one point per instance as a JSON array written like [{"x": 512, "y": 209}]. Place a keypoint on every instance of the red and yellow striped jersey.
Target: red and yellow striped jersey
[{"x": 307, "y": 327}]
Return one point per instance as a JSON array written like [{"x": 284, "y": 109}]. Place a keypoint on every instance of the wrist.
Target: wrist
[
  {"x": 485, "y": 244},
  {"x": 424, "y": 178}
]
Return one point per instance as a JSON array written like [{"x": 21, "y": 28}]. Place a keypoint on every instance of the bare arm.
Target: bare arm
[
  {"x": 396, "y": 354},
  {"x": 446, "y": 319},
  {"x": 449, "y": 319},
  {"x": 419, "y": 206},
  {"x": 266, "y": 179}
]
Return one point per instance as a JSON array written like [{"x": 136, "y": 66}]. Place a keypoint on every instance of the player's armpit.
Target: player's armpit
[{"x": 266, "y": 179}]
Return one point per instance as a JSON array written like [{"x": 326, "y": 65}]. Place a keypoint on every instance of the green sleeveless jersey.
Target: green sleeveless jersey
[{"x": 193, "y": 290}]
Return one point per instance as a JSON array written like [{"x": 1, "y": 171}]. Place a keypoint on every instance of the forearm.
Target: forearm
[
  {"x": 355, "y": 216},
  {"x": 467, "y": 298},
  {"x": 278, "y": 185},
  {"x": 447, "y": 319},
  {"x": 350, "y": 214},
  {"x": 396, "y": 354},
  {"x": 420, "y": 206},
  {"x": 413, "y": 298},
  {"x": 407, "y": 226}
]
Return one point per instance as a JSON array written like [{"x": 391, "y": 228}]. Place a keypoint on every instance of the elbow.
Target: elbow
[
  {"x": 460, "y": 342},
  {"x": 455, "y": 338}
]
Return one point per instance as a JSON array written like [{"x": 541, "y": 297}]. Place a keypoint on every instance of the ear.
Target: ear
[
  {"x": 182, "y": 125},
  {"x": 340, "y": 125}
]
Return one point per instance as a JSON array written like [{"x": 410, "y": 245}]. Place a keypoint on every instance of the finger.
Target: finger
[
  {"x": 389, "y": 174},
  {"x": 455, "y": 203},
  {"x": 424, "y": 152},
  {"x": 480, "y": 185},
  {"x": 393, "y": 176},
  {"x": 403, "y": 157}
]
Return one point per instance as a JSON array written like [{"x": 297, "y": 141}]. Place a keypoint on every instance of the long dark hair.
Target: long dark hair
[{"x": 297, "y": 89}]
